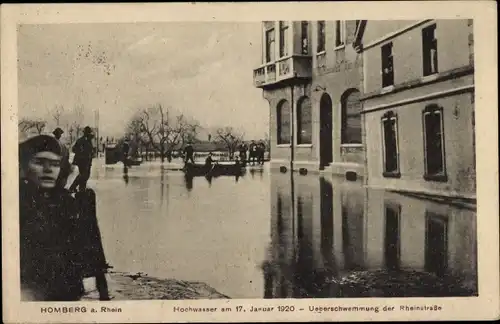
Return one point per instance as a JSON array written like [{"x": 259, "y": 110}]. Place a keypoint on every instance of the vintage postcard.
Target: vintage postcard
[{"x": 258, "y": 162}]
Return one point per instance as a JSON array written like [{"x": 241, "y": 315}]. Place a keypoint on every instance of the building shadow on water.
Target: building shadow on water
[{"x": 331, "y": 238}]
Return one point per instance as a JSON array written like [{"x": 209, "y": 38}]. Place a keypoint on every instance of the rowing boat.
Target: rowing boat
[{"x": 194, "y": 169}]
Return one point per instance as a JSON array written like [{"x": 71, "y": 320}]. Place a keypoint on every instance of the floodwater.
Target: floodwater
[{"x": 280, "y": 235}]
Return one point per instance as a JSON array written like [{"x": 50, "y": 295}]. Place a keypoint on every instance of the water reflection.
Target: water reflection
[
  {"x": 213, "y": 233},
  {"x": 125, "y": 174},
  {"x": 331, "y": 238}
]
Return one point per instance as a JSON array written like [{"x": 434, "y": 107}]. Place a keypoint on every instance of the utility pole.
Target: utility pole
[{"x": 96, "y": 116}]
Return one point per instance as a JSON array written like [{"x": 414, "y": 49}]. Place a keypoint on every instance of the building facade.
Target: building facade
[
  {"x": 311, "y": 76},
  {"x": 418, "y": 105}
]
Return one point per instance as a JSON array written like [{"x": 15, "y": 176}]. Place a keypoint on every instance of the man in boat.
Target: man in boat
[{"x": 209, "y": 162}]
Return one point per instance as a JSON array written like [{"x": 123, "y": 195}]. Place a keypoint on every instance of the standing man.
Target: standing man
[
  {"x": 189, "y": 151},
  {"x": 83, "y": 150},
  {"x": 125, "y": 151},
  {"x": 65, "y": 165},
  {"x": 261, "y": 150}
]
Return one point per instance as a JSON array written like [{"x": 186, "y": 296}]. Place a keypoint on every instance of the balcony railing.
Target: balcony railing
[{"x": 285, "y": 68}]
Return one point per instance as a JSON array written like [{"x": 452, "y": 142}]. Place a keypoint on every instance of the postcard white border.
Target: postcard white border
[{"x": 486, "y": 306}]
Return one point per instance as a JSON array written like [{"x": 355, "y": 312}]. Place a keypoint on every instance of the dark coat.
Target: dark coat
[
  {"x": 59, "y": 244},
  {"x": 49, "y": 244},
  {"x": 84, "y": 151}
]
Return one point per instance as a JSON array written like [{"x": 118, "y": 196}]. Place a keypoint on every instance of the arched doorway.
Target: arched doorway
[{"x": 325, "y": 131}]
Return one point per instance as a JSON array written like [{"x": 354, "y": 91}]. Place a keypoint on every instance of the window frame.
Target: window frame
[
  {"x": 340, "y": 24},
  {"x": 279, "y": 128},
  {"x": 440, "y": 176},
  {"x": 321, "y": 37},
  {"x": 390, "y": 115},
  {"x": 344, "y": 116},
  {"x": 304, "y": 35},
  {"x": 283, "y": 41},
  {"x": 299, "y": 114},
  {"x": 270, "y": 55},
  {"x": 427, "y": 46},
  {"x": 390, "y": 62}
]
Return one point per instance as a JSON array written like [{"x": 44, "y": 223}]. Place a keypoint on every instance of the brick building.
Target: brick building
[
  {"x": 310, "y": 75},
  {"x": 418, "y": 105}
]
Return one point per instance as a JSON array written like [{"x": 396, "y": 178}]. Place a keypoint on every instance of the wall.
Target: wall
[
  {"x": 303, "y": 154},
  {"x": 338, "y": 70},
  {"x": 458, "y": 144},
  {"x": 376, "y": 29},
  {"x": 453, "y": 53}
]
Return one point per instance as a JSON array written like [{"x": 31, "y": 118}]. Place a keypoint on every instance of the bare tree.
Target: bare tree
[
  {"x": 75, "y": 126},
  {"x": 161, "y": 132},
  {"x": 57, "y": 113},
  {"x": 231, "y": 139},
  {"x": 134, "y": 132},
  {"x": 25, "y": 125}
]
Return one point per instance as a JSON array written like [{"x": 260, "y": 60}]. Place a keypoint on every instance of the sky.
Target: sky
[{"x": 202, "y": 69}]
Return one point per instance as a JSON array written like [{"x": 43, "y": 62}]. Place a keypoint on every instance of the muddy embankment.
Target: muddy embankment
[{"x": 139, "y": 286}]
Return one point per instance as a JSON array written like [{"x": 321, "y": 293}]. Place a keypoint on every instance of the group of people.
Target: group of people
[
  {"x": 255, "y": 151},
  {"x": 60, "y": 242}
]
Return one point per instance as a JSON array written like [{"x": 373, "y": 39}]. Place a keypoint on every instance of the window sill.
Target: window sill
[
  {"x": 351, "y": 145},
  {"x": 391, "y": 174},
  {"x": 339, "y": 47},
  {"x": 436, "y": 177},
  {"x": 430, "y": 77},
  {"x": 283, "y": 145},
  {"x": 304, "y": 145},
  {"x": 387, "y": 89}
]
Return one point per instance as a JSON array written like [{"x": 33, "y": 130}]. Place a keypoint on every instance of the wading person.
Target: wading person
[
  {"x": 83, "y": 150},
  {"x": 56, "y": 237},
  {"x": 125, "y": 151},
  {"x": 189, "y": 153},
  {"x": 253, "y": 152},
  {"x": 261, "y": 151},
  {"x": 65, "y": 164}
]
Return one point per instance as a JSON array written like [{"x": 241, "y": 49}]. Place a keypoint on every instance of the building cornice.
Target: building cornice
[
  {"x": 440, "y": 77},
  {"x": 358, "y": 41},
  {"x": 430, "y": 96}
]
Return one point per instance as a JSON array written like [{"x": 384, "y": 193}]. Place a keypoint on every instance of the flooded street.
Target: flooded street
[
  {"x": 278, "y": 236},
  {"x": 157, "y": 223}
]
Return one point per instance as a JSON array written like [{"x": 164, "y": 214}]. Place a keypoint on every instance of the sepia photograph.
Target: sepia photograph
[{"x": 220, "y": 160}]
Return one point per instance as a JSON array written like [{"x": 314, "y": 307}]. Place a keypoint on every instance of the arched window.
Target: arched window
[
  {"x": 283, "y": 122},
  {"x": 351, "y": 117},
  {"x": 304, "y": 121}
]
